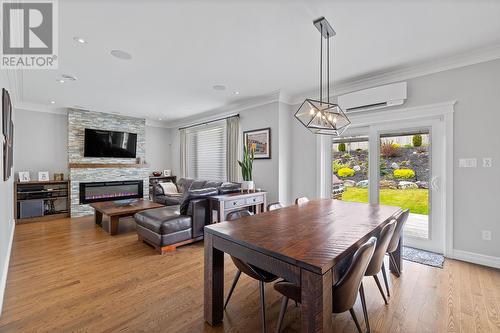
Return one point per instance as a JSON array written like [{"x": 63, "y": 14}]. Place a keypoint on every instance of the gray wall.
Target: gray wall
[
  {"x": 477, "y": 115},
  {"x": 41, "y": 142},
  {"x": 158, "y": 148},
  {"x": 6, "y": 208}
]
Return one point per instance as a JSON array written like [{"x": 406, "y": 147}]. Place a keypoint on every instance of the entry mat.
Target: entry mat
[{"x": 423, "y": 257}]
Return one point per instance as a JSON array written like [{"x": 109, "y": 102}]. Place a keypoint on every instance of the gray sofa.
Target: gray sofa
[{"x": 177, "y": 224}]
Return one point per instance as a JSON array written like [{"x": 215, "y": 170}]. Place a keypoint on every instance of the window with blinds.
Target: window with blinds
[{"x": 206, "y": 151}]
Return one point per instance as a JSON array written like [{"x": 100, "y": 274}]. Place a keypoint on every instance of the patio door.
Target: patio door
[{"x": 409, "y": 171}]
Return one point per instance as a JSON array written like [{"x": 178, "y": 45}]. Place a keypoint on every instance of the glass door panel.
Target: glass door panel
[
  {"x": 405, "y": 172},
  {"x": 350, "y": 168}
]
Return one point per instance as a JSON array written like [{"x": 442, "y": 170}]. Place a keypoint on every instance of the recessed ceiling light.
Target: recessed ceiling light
[
  {"x": 236, "y": 92},
  {"x": 60, "y": 80},
  {"x": 219, "y": 87},
  {"x": 52, "y": 102},
  {"x": 160, "y": 119},
  {"x": 121, "y": 54},
  {"x": 79, "y": 40}
]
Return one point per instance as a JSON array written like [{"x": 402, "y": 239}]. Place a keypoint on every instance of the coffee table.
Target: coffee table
[{"x": 116, "y": 210}]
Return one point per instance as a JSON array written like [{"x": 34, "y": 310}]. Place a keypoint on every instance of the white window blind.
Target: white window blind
[{"x": 206, "y": 151}]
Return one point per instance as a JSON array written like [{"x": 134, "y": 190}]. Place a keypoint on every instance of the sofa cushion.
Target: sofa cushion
[
  {"x": 213, "y": 183},
  {"x": 197, "y": 185},
  {"x": 169, "y": 200},
  {"x": 229, "y": 187},
  {"x": 196, "y": 194},
  {"x": 163, "y": 220},
  {"x": 183, "y": 184}
]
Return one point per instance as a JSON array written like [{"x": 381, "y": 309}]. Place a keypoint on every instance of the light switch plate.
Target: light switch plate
[
  {"x": 486, "y": 234},
  {"x": 487, "y": 162},
  {"x": 467, "y": 163}
]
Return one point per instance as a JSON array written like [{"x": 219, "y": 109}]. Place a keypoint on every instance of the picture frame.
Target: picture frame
[
  {"x": 24, "y": 176},
  {"x": 167, "y": 173},
  {"x": 43, "y": 176},
  {"x": 260, "y": 140}
]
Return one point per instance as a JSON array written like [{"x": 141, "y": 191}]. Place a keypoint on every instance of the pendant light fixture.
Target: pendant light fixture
[{"x": 322, "y": 116}]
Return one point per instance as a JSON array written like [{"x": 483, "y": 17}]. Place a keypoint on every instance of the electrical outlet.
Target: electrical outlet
[
  {"x": 487, "y": 162},
  {"x": 486, "y": 235},
  {"x": 467, "y": 163}
]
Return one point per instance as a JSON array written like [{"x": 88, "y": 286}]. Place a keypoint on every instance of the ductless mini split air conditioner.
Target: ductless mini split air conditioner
[{"x": 374, "y": 98}]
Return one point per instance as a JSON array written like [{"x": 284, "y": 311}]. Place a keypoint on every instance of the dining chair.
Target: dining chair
[
  {"x": 377, "y": 263},
  {"x": 301, "y": 200},
  {"x": 394, "y": 243},
  {"x": 274, "y": 206},
  {"x": 252, "y": 271},
  {"x": 344, "y": 292}
]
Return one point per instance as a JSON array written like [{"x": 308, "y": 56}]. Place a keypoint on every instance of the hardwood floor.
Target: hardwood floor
[{"x": 71, "y": 276}]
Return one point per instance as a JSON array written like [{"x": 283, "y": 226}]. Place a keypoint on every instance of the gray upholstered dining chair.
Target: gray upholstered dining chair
[
  {"x": 301, "y": 200},
  {"x": 252, "y": 271},
  {"x": 394, "y": 243},
  {"x": 274, "y": 206},
  {"x": 377, "y": 264},
  {"x": 344, "y": 292}
]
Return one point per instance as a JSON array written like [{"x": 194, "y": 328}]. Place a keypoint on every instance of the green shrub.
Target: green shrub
[
  {"x": 346, "y": 156},
  {"x": 408, "y": 145},
  {"x": 345, "y": 172},
  {"x": 337, "y": 165},
  {"x": 341, "y": 146},
  {"x": 417, "y": 140},
  {"x": 404, "y": 173}
]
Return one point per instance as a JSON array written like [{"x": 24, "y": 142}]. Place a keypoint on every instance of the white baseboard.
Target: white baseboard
[
  {"x": 5, "y": 269},
  {"x": 476, "y": 258}
]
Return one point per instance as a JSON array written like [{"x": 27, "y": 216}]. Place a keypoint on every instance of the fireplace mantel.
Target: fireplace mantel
[{"x": 106, "y": 165}]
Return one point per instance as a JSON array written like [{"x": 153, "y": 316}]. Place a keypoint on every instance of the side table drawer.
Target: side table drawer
[
  {"x": 234, "y": 203},
  {"x": 255, "y": 200}
]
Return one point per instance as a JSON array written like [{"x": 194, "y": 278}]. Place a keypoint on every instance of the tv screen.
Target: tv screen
[{"x": 99, "y": 143}]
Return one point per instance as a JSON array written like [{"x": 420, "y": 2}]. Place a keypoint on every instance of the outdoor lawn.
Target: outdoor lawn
[{"x": 417, "y": 200}]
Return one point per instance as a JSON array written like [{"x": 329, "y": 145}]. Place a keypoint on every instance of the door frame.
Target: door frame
[{"x": 373, "y": 121}]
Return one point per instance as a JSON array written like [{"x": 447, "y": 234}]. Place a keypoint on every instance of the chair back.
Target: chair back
[
  {"x": 401, "y": 221},
  {"x": 238, "y": 214},
  {"x": 301, "y": 200},
  {"x": 346, "y": 289},
  {"x": 274, "y": 206},
  {"x": 383, "y": 240}
]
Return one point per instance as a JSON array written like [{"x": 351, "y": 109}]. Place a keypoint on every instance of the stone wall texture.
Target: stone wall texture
[{"x": 78, "y": 120}]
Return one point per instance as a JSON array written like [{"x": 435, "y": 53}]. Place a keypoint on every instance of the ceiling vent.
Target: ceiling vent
[{"x": 374, "y": 98}]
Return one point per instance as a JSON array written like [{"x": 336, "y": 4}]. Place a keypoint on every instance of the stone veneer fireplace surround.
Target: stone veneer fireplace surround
[{"x": 80, "y": 167}]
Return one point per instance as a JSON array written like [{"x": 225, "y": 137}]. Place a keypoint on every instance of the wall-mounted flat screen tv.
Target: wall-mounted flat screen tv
[{"x": 100, "y": 143}]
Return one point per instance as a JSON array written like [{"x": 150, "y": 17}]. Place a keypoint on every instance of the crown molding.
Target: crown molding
[
  {"x": 231, "y": 109},
  {"x": 409, "y": 71},
  {"x": 40, "y": 108}
]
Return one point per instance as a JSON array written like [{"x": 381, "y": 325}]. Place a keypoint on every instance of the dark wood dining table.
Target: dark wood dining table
[{"x": 303, "y": 244}]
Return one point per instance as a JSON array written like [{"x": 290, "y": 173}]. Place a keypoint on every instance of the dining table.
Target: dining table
[{"x": 304, "y": 244}]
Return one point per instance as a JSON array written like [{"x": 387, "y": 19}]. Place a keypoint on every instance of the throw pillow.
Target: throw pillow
[{"x": 169, "y": 188}]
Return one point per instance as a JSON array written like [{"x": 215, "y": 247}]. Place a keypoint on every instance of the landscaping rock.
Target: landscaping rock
[
  {"x": 356, "y": 168},
  {"x": 349, "y": 183},
  {"x": 422, "y": 184},
  {"x": 394, "y": 165},
  {"x": 403, "y": 185},
  {"x": 388, "y": 184},
  {"x": 363, "y": 183}
]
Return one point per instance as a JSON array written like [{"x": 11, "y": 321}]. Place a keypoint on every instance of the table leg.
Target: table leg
[
  {"x": 98, "y": 217},
  {"x": 396, "y": 259},
  {"x": 258, "y": 209},
  {"x": 214, "y": 282},
  {"x": 220, "y": 212},
  {"x": 113, "y": 225},
  {"x": 316, "y": 309}
]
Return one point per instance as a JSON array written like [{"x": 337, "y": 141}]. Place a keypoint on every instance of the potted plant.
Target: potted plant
[{"x": 246, "y": 169}]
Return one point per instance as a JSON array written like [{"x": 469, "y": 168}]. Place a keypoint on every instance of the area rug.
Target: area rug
[{"x": 423, "y": 257}]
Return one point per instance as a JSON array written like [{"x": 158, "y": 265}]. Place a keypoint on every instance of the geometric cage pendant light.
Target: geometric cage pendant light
[{"x": 321, "y": 116}]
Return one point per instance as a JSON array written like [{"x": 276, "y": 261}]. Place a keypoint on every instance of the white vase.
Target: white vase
[{"x": 247, "y": 185}]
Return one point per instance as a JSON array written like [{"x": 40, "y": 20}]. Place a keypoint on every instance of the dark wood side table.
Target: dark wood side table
[
  {"x": 226, "y": 203},
  {"x": 115, "y": 211}
]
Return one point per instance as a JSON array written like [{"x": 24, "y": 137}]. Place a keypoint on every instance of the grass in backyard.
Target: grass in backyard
[{"x": 417, "y": 200}]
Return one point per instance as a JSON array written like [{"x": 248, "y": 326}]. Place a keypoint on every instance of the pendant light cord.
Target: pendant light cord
[
  {"x": 321, "y": 65},
  {"x": 328, "y": 67}
]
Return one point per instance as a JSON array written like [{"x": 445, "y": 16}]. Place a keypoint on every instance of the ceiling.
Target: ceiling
[{"x": 181, "y": 49}]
